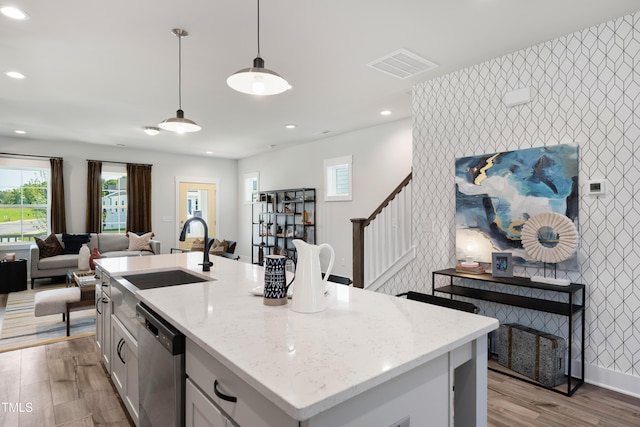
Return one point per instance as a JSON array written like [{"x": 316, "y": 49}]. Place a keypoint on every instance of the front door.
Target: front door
[{"x": 196, "y": 198}]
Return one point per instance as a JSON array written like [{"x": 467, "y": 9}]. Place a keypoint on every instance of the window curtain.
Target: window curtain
[
  {"x": 138, "y": 197},
  {"x": 58, "y": 215},
  {"x": 94, "y": 197}
]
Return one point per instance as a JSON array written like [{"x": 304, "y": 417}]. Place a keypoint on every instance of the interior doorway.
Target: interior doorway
[{"x": 196, "y": 197}]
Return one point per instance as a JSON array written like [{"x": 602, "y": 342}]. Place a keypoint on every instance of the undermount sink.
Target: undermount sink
[{"x": 162, "y": 279}]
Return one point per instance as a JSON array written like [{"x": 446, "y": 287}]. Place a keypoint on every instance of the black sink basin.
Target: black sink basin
[{"x": 161, "y": 279}]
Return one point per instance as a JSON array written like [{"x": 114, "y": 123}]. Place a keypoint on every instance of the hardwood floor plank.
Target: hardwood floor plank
[
  {"x": 33, "y": 365},
  {"x": 38, "y": 395},
  {"x": 64, "y": 391},
  {"x": 71, "y": 410},
  {"x": 106, "y": 408},
  {"x": 62, "y": 369}
]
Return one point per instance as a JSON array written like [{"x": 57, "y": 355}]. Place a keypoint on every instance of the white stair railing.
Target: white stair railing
[{"x": 382, "y": 243}]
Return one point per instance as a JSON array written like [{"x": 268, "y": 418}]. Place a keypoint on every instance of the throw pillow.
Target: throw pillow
[
  {"x": 197, "y": 245},
  {"x": 49, "y": 247},
  {"x": 139, "y": 243},
  {"x": 218, "y": 247},
  {"x": 73, "y": 242}
]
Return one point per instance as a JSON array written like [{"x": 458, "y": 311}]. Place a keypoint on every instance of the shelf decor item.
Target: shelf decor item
[
  {"x": 501, "y": 264},
  {"x": 549, "y": 237},
  {"x": 83, "y": 258}
]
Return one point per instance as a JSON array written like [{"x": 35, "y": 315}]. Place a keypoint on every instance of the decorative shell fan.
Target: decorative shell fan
[{"x": 549, "y": 237}]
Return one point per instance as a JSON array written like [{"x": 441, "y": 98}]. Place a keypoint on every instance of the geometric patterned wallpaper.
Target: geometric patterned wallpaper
[{"x": 586, "y": 92}]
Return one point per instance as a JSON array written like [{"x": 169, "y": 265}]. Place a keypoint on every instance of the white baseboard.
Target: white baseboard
[{"x": 612, "y": 380}]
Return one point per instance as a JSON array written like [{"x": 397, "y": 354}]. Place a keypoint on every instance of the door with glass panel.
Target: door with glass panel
[{"x": 196, "y": 198}]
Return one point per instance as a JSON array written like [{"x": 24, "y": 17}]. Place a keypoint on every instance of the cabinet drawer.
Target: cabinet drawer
[
  {"x": 251, "y": 409},
  {"x": 199, "y": 411}
]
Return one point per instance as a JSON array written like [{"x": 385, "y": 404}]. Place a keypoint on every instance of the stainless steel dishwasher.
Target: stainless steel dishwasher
[{"x": 161, "y": 374}]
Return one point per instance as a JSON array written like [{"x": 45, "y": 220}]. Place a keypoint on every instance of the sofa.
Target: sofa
[{"x": 110, "y": 245}]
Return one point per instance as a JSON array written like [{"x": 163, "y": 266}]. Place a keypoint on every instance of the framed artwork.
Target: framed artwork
[
  {"x": 497, "y": 193},
  {"x": 501, "y": 264}
]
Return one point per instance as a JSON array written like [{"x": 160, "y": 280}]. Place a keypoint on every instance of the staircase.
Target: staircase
[{"x": 382, "y": 242}]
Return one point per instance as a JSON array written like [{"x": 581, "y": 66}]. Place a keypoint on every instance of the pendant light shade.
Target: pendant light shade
[
  {"x": 258, "y": 80},
  {"x": 179, "y": 124}
]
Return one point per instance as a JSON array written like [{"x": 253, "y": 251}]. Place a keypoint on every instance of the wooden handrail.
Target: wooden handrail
[
  {"x": 392, "y": 196},
  {"x": 359, "y": 225}
]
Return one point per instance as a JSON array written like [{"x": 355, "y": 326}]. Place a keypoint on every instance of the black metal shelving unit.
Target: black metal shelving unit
[
  {"x": 572, "y": 306},
  {"x": 278, "y": 217}
]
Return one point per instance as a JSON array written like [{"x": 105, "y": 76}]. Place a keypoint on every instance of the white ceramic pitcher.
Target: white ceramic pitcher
[{"x": 308, "y": 285}]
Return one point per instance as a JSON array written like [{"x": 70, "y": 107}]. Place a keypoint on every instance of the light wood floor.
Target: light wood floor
[{"x": 57, "y": 383}]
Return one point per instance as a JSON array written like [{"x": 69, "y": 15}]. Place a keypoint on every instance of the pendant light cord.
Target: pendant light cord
[
  {"x": 258, "y": 28},
  {"x": 180, "y": 71}
]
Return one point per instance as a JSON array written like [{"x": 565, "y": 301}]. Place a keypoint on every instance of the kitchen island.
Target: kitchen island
[{"x": 369, "y": 359}]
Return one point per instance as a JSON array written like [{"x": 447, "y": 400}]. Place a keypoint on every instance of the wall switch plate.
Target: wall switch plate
[
  {"x": 167, "y": 218},
  {"x": 405, "y": 422}
]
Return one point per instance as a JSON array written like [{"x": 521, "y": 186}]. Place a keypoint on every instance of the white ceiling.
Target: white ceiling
[{"x": 99, "y": 71}]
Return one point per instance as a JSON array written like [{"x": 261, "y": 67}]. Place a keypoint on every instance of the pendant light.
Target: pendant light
[
  {"x": 179, "y": 124},
  {"x": 258, "y": 80}
]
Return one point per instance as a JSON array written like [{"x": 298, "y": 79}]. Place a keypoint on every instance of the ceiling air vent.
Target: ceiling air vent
[{"x": 402, "y": 64}]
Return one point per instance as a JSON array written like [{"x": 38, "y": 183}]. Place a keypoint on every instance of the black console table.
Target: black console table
[{"x": 569, "y": 308}]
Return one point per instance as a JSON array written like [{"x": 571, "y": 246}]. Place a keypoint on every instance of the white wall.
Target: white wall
[
  {"x": 381, "y": 160},
  {"x": 165, "y": 168}
]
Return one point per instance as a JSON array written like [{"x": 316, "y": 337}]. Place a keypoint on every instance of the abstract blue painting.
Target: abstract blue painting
[{"x": 496, "y": 193}]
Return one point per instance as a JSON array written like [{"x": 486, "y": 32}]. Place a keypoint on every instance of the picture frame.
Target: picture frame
[{"x": 501, "y": 264}]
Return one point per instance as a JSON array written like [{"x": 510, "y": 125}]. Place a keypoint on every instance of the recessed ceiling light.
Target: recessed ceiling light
[
  {"x": 14, "y": 13},
  {"x": 209, "y": 152},
  {"x": 21, "y": 132},
  {"x": 385, "y": 112},
  {"x": 151, "y": 130},
  {"x": 15, "y": 75},
  {"x": 290, "y": 126}
]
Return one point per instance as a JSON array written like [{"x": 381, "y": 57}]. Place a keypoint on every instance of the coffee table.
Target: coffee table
[{"x": 86, "y": 281}]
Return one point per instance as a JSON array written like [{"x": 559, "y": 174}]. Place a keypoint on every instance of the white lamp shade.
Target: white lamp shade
[
  {"x": 258, "y": 81},
  {"x": 179, "y": 124}
]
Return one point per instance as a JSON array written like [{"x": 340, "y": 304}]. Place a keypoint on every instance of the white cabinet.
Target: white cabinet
[
  {"x": 103, "y": 318},
  {"x": 124, "y": 367},
  {"x": 200, "y": 411},
  {"x": 241, "y": 402}
]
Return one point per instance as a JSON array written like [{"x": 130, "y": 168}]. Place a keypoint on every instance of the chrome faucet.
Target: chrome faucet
[{"x": 206, "y": 264}]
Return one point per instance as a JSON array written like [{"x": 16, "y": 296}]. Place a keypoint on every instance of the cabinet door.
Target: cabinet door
[
  {"x": 124, "y": 367},
  {"x": 105, "y": 307},
  {"x": 199, "y": 410},
  {"x": 132, "y": 399},
  {"x": 119, "y": 361},
  {"x": 99, "y": 319}
]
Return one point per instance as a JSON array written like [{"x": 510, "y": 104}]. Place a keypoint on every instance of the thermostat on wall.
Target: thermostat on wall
[{"x": 597, "y": 187}]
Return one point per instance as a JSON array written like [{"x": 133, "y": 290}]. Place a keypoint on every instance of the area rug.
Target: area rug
[{"x": 20, "y": 328}]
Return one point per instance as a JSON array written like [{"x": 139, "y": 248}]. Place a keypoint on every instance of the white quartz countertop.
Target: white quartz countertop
[{"x": 303, "y": 363}]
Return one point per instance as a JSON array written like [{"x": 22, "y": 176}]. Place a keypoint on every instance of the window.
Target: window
[
  {"x": 24, "y": 199},
  {"x": 250, "y": 186},
  {"x": 114, "y": 198},
  {"x": 337, "y": 179}
]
